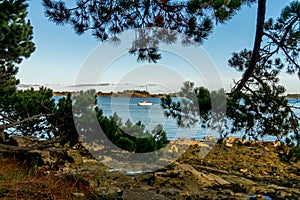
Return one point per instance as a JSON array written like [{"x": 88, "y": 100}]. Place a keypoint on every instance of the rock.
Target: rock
[
  {"x": 94, "y": 183},
  {"x": 46, "y": 158},
  {"x": 78, "y": 194},
  {"x": 184, "y": 193},
  {"x": 181, "y": 142},
  {"x": 169, "y": 192},
  {"x": 183, "y": 170},
  {"x": 173, "y": 149},
  {"x": 230, "y": 141},
  {"x": 266, "y": 149},
  {"x": 204, "y": 151},
  {"x": 88, "y": 160},
  {"x": 209, "y": 138},
  {"x": 228, "y": 145},
  {"x": 106, "y": 159},
  {"x": 241, "y": 141},
  {"x": 75, "y": 155},
  {"x": 276, "y": 144},
  {"x": 112, "y": 193},
  {"x": 141, "y": 194},
  {"x": 95, "y": 146},
  {"x": 23, "y": 141}
]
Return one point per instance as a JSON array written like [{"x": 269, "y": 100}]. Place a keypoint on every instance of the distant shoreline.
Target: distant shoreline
[
  {"x": 125, "y": 93},
  {"x": 292, "y": 96},
  {"x": 141, "y": 94}
]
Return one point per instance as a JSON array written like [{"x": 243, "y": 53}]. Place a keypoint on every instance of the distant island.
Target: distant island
[
  {"x": 140, "y": 94},
  {"x": 125, "y": 93},
  {"x": 293, "y": 96}
]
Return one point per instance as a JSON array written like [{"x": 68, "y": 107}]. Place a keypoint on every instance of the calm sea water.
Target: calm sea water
[{"x": 150, "y": 116}]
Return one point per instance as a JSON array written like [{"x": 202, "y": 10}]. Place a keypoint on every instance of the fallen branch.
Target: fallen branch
[
  {"x": 40, "y": 145},
  {"x": 6, "y": 126}
]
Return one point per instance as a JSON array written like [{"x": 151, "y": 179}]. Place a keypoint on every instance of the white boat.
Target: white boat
[{"x": 144, "y": 103}]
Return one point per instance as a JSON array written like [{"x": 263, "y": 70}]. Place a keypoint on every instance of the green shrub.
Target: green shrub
[
  {"x": 294, "y": 154},
  {"x": 126, "y": 144}
]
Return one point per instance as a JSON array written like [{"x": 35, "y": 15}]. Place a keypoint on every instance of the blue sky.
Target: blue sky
[{"x": 61, "y": 54}]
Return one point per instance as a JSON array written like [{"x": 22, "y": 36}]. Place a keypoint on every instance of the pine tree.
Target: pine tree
[
  {"x": 15, "y": 40},
  {"x": 15, "y": 45}
]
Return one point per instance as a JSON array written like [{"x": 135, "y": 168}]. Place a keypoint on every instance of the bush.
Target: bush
[
  {"x": 126, "y": 144},
  {"x": 294, "y": 154}
]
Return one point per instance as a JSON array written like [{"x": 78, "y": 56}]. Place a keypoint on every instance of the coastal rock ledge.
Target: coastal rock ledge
[{"x": 233, "y": 169}]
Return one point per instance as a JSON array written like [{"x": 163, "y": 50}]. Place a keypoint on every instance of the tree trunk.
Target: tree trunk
[
  {"x": 261, "y": 13},
  {"x": 2, "y": 136}
]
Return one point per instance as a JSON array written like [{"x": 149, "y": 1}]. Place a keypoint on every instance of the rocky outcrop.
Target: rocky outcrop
[
  {"x": 23, "y": 141},
  {"x": 230, "y": 141},
  {"x": 234, "y": 169},
  {"x": 142, "y": 194}
]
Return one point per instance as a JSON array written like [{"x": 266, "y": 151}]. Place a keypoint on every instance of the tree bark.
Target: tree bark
[{"x": 260, "y": 20}]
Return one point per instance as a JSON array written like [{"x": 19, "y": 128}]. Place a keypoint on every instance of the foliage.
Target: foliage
[
  {"x": 283, "y": 36},
  {"x": 107, "y": 19},
  {"x": 16, "y": 32},
  {"x": 24, "y": 104},
  {"x": 127, "y": 136},
  {"x": 290, "y": 154},
  {"x": 255, "y": 105},
  {"x": 32, "y": 112},
  {"x": 63, "y": 121},
  {"x": 133, "y": 137},
  {"x": 294, "y": 154},
  {"x": 196, "y": 105},
  {"x": 258, "y": 107},
  {"x": 15, "y": 44}
]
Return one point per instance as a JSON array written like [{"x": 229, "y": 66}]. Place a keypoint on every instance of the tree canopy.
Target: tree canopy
[{"x": 106, "y": 19}]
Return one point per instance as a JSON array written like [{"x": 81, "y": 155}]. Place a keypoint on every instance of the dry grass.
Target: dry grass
[{"x": 18, "y": 182}]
